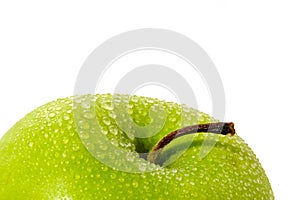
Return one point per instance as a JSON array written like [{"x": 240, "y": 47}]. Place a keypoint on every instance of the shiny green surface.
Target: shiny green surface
[{"x": 43, "y": 157}]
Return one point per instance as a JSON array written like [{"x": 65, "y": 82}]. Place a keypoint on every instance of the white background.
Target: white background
[{"x": 254, "y": 44}]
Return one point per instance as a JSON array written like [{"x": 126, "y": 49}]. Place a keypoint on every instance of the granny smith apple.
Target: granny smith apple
[{"x": 126, "y": 147}]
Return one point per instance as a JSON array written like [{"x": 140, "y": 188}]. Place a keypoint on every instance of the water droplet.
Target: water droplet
[
  {"x": 66, "y": 117},
  {"x": 106, "y": 121},
  {"x": 104, "y": 168},
  {"x": 77, "y": 176},
  {"x": 107, "y": 105},
  {"x": 51, "y": 115},
  {"x": 103, "y": 147},
  {"x": 134, "y": 99},
  {"x": 50, "y": 108},
  {"x": 84, "y": 135},
  {"x": 113, "y": 130},
  {"x": 150, "y": 100},
  {"x": 85, "y": 104},
  {"x": 112, "y": 115},
  {"x": 89, "y": 115},
  {"x": 75, "y": 147},
  {"x": 65, "y": 140},
  {"x": 83, "y": 125},
  {"x": 69, "y": 126},
  {"x": 142, "y": 167},
  {"x": 58, "y": 108},
  {"x": 114, "y": 142},
  {"x": 103, "y": 130},
  {"x": 113, "y": 176},
  {"x": 30, "y": 144},
  {"x": 173, "y": 119},
  {"x": 72, "y": 134},
  {"x": 135, "y": 184}
]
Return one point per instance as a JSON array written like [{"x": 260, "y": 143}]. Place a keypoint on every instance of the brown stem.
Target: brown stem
[{"x": 218, "y": 128}]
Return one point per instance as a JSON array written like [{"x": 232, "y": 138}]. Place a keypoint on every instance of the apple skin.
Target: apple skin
[{"x": 43, "y": 157}]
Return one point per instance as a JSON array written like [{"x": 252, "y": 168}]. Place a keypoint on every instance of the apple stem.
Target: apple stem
[{"x": 222, "y": 128}]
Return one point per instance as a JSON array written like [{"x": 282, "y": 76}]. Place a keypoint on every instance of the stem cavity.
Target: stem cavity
[{"x": 222, "y": 128}]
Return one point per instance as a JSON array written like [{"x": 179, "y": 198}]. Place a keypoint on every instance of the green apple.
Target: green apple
[{"x": 115, "y": 147}]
